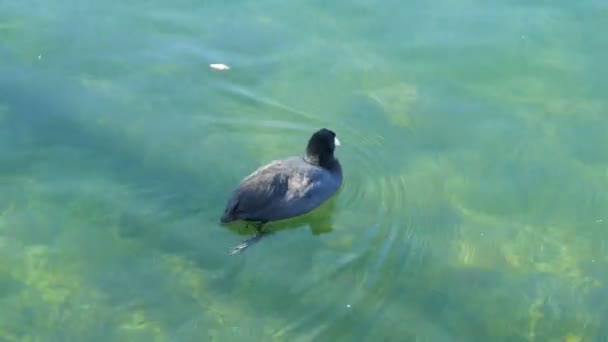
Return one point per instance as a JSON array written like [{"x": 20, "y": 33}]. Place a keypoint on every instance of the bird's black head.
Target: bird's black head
[{"x": 321, "y": 146}]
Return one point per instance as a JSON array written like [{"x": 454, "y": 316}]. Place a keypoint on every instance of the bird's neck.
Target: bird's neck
[{"x": 325, "y": 161}]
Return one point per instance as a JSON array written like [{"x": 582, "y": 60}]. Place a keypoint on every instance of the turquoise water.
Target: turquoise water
[{"x": 475, "y": 201}]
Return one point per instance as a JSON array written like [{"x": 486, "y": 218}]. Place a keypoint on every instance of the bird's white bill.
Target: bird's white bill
[{"x": 336, "y": 141}]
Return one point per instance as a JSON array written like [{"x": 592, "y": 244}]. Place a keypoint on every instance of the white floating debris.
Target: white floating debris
[
  {"x": 348, "y": 305},
  {"x": 39, "y": 57},
  {"x": 219, "y": 66}
]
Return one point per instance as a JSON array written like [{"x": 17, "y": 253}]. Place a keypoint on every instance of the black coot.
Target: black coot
[{"x": 287, "y": 188}]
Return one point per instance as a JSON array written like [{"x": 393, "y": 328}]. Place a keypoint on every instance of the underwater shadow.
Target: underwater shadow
[{"x": 44, "y": 111}]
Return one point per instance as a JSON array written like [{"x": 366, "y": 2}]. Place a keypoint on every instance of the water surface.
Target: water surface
[{"x": 475, "y": 200}]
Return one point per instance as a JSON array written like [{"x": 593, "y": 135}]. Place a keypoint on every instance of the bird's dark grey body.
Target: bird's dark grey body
[
  {"x": 286, "y": 188},
  {"x": 282, "y": 189}
]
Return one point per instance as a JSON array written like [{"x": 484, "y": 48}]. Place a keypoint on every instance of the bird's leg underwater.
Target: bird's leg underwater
[
  {"x": 259, "y": 227},
  {"x": 260, "y": 233}
]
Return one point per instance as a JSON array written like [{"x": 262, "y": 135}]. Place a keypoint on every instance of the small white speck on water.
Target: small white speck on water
[
  {"x": 348, "y": 306},
  {"x": 39, "y": 57},
  {"x": 219, "y": 66},
  {"x": 524, "y": 37},
  {"x": 599, "y": 221}
]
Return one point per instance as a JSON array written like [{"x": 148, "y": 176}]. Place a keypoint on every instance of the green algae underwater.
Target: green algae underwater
[{"x": 475, "y": 200}]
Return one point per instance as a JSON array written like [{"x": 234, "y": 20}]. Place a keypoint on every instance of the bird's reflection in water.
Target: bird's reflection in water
[{"x": 319, "y": 221}]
